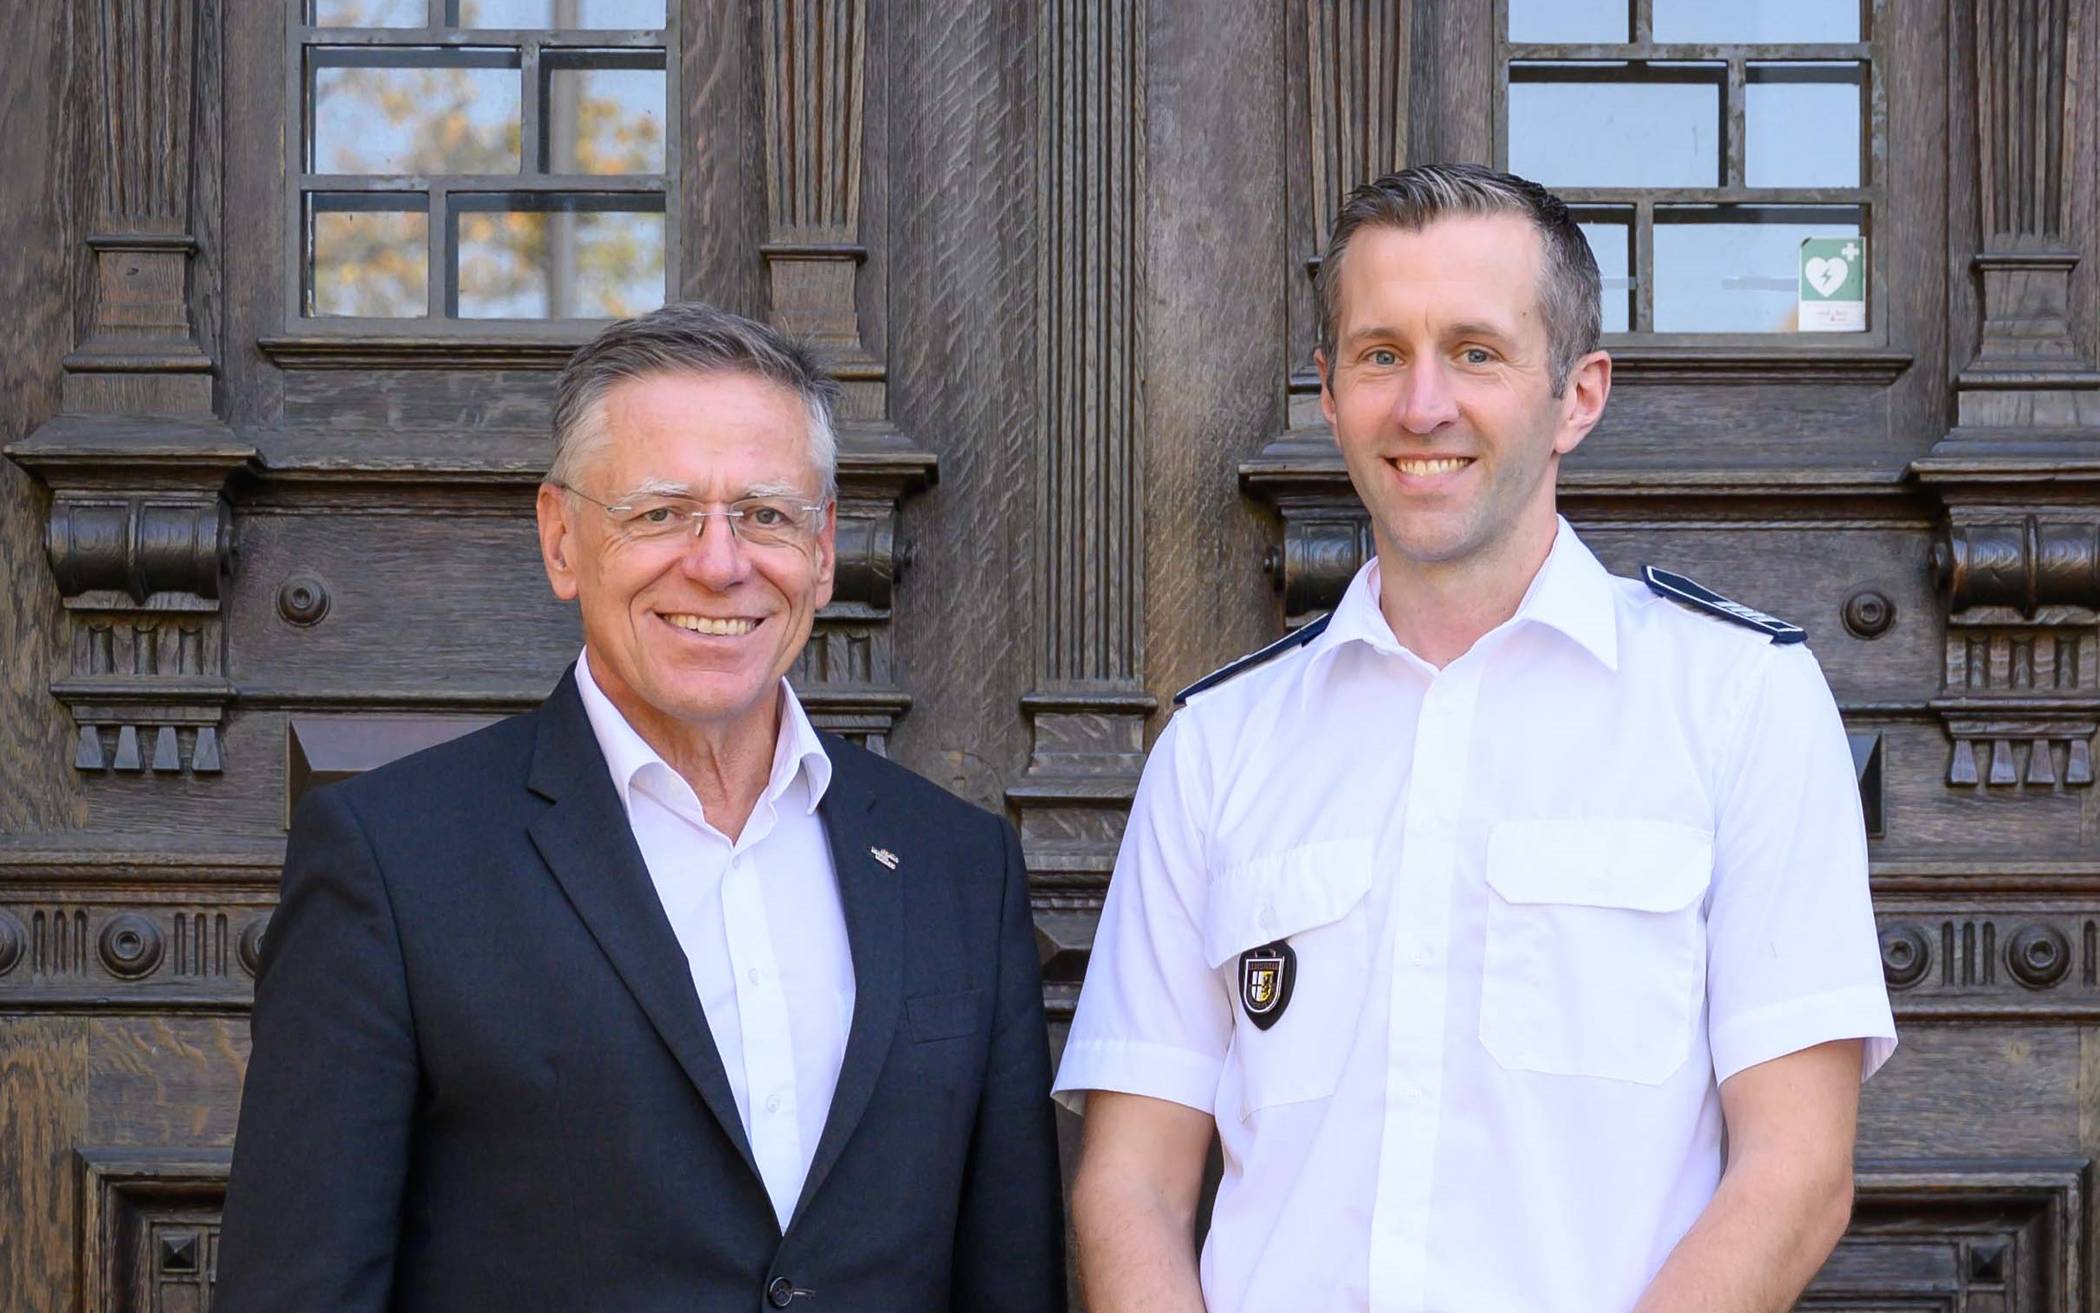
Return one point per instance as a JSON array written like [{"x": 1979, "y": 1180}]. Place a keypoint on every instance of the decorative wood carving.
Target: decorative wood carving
[
  {"x": 1356, "y": 80},
  {"x": 1087, "y": 709},
  {"x": 2019, "y": 558},
  {"x": 1943, "y": 961},
  {"x": 1962, "y": 1235},
  {"x": 149, "y": 1226},
  {"x": 139, "y": 535},
  {"x": 815, "y": 94},
  {"x": 2021, "y": 688}
]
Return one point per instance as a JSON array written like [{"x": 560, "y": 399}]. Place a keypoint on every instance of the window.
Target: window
[
  {"x": 466, "y": 163},
  {"x": 1720, "y": 155}
]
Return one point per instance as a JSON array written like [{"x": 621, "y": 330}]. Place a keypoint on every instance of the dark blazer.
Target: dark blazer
[{"x": 482, "y": 1079}]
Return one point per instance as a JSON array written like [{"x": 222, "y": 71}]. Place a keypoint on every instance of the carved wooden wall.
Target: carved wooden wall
[{"x": 1061, "y": 252}]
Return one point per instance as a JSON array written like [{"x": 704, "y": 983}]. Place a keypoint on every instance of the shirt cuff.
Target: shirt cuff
[
  {"x": 1777, "y": 1029},
  {"x": 1157, "y": 1071}
]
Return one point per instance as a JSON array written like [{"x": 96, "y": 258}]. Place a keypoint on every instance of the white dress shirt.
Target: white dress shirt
[
  {"x": 1541, "y": 901},
  {"x": 761, "y": 924}
]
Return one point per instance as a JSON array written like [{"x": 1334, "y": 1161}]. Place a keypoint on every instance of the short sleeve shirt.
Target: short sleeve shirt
[{"x": 1537, "y": 906}]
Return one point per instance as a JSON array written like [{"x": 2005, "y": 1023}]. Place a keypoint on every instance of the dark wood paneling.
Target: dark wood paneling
[
  {"x": 44, "y": 285},
  {"x": 43, "y": 1117},
  {"x": 962, "y": 211}
]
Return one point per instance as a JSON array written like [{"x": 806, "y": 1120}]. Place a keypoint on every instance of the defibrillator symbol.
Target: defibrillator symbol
[{"x": 1266, "y": 974}]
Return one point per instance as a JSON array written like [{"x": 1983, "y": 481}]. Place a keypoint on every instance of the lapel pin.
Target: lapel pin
[{"x": 885, "y": 856}]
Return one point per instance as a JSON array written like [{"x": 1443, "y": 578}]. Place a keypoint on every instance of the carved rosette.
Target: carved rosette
[
  {"x": 815, "y": 94},
  {"x": 1087, "y": 708}
]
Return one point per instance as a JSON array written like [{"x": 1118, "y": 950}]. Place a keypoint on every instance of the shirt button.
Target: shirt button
[
  {"x": 754, "y": 975},
  {"x": 1268, "y": 915},
  {"x": 773, "y": 1103},
  {"x": 781, "y": 1293}
]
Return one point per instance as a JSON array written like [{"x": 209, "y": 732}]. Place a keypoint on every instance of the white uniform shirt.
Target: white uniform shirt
[
  {"x": 761, "y": 925},
  {"x": 1542, "y": 901}
]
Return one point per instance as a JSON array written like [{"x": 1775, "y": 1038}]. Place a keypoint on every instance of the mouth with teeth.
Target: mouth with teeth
[
  {"x": 1428, "y": 470},
  {"x": 718, "y": 626}
]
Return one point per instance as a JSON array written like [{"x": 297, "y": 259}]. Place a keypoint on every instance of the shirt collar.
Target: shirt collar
[
  {"x": 796, "y": 749},
  {"x": 1572, "y": 592}
]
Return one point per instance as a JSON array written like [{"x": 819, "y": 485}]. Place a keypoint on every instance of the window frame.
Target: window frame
[
  {"x": 531, "y": 44},
  {"x": 1871, "y": 196}
]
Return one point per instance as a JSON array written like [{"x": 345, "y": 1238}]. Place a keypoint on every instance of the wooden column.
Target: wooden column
[
  {"x": 140, "y": 535},
  {"x": 2018, "y": 560},
  {"x": 816, "y": 65},
  {"x": 1350, "y": 127},
  {"x": 1087, "y": 708}
]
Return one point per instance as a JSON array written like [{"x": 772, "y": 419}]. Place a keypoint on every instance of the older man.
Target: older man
[
  {"x": 1510, "y": 925},
  {"x": 654, "y": 997}
]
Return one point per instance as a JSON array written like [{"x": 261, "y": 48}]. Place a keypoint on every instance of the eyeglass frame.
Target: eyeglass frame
[{"x": 698, "y": 519}]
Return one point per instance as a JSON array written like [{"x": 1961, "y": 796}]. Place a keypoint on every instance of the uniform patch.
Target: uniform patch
[
  {"x": 1699, "y": 597},
  {"x": 1266, "y": 976}
]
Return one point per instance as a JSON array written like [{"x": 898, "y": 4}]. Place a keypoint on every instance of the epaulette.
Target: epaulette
[
  {"x": 1701, "y": 598},
  {"x": 1298, "y": 637}
]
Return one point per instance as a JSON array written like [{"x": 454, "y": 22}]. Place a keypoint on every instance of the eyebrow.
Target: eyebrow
[
  {"x": 1464, "y": 328},
  {"x": 684, "y": 491}
]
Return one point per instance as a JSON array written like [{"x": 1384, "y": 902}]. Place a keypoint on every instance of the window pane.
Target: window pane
[
  {"x": 415, "y": 111},
  {"x": 1610, "y": 235},
  {"x": 371, "y": 13},
  {"x": 622, "y": 15},
  {"x": 367, "y": 255},
  {"x": 1802, "y": 125},
  {"x": 1757, "y": 20},
  {"x": 604, "y": 114},
  {"x": 1616, "y": 125},
  {"x": 1736, "y": 268},
  {"x": 1585, "y": 21},
  {"x": 558, "y": 257}
]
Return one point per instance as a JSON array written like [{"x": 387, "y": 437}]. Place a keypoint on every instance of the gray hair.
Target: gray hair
[
  {"x": 1571, "y": 295},
  {"x": 688, "y": 337}
]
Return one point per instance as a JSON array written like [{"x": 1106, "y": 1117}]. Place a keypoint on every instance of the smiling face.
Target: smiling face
[
  {"x": 1440, "y": 391},
  {"x": 693, "y": 632}
]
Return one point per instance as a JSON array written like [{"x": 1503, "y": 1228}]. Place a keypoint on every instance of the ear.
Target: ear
[
  {"x": 827, "y": 555},
  {"x": 558, "y": 545},
  {"x": 1326, "y": 385},
  {"x": 1582, "y": 401}
]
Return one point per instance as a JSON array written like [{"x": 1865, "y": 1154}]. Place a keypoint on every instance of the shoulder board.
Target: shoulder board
[
  {"x": 1701, "y": 598},
  {"x": 1304, "y": 634}
]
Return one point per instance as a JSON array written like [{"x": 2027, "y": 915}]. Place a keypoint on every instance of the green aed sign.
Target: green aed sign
[{"x": 1833, "y": 285}]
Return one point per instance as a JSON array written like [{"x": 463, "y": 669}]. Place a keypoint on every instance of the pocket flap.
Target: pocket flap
[
  {"x": 1644, "y": 866},
  {"x": 1277, "y": 895}
]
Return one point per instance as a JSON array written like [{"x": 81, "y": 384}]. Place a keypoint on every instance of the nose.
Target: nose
[
  {"x": 715, "y": 557},
  {"x": 1425, "y": 402}
]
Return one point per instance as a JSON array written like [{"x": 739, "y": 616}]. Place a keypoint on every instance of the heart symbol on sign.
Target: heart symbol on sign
[{"x": 1826, "y": 276}]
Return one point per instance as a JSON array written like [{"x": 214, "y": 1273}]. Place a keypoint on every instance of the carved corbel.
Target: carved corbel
[
  {"x": 816, "y": 85},
  {"x": 2021, "y": 699},
  {"x": 140, "y": 541}
]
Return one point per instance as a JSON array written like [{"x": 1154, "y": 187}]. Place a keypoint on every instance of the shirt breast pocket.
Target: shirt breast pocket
[
  {"x": 1596, "y": 947},
  {"x": 1311, "y": 899}
]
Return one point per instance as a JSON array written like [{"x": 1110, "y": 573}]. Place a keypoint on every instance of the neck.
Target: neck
[
  {"x": 727, "y": 763},
  {"x": 1439, "y": 609}
]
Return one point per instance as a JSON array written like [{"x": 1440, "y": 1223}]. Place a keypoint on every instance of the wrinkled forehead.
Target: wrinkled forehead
[{"x": 713, "y": 435}]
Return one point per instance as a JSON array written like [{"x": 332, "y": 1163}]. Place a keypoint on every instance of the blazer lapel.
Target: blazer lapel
[
  {"x": 587, "y": 842},
  {"x": 872, "y": 896}
]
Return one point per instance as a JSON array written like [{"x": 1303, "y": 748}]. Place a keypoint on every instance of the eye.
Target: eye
[
  {"x": 1476, "y": 355},
  {"x": 656, "y": 515},
  {"x": 766, "y": 516},
  {"x": 1383, "y": 357}
]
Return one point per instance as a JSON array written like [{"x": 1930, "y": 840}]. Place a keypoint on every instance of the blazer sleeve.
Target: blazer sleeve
[
  {"x": 1010, "y": 1231},
  {"x": 314, "y": 1201}
]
